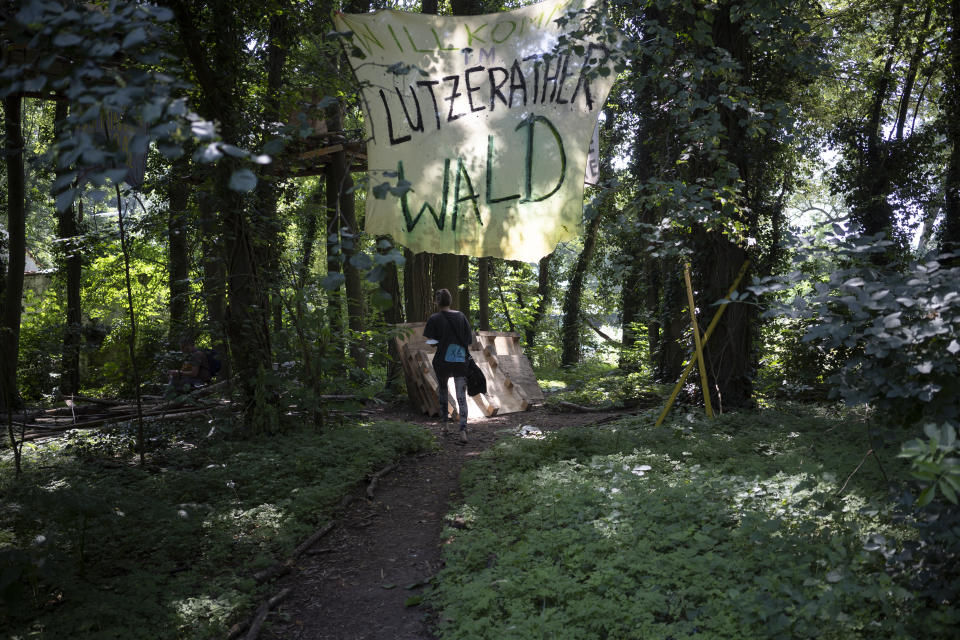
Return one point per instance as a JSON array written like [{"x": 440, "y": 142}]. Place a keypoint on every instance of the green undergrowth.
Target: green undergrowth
[
  {"x": 601, "y": 386},
  {"x": 96, "y": 547},
  {"x": 732, "y": 528}
]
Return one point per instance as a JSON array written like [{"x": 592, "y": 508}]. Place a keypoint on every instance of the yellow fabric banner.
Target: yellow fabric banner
[{"x": 489, "y": 125}]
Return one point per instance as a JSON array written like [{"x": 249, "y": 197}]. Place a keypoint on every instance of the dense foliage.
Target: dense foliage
[{"x": 750, "y": 526}]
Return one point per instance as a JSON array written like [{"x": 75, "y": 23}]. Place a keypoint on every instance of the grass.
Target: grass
[
  {"x": 732, "y": 528},
  {"x": 93, "y": 546}
]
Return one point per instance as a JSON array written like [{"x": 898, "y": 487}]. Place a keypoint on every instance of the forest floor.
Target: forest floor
[{"x": 363, "y": 580}]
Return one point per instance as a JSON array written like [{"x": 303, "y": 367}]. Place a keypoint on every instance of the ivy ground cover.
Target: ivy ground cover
[
  {"x": 93, "y": 546},
  {"x": 747, "y": 526}
]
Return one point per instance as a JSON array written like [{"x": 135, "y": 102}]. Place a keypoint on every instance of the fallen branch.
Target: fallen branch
[
  {"x": 197, "y": 393},
  {"x": 312, "y": 540},
  {"x": 376, "y": 478},
  {"x": 258, "y": 619},
  {"x": 852, "y": 473},
  {"x": 579, "y": 407},
  {"x": 280, "y": 568},
  {"x": 106, "y": 403},
  {"x": 599, "y": 332},
  {"x": 41, "y": 431}
]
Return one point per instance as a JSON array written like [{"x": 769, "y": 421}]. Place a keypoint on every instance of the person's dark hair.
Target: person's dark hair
[{"x": 443, "y": 298}]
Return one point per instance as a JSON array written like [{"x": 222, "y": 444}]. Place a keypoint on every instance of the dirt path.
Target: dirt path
[{"x": 354, "y": 583}]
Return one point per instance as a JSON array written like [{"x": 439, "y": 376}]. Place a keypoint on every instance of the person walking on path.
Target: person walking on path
[{"x": 449, "y": 330}]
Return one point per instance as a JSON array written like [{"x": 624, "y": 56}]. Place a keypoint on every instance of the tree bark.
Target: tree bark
[
  {"x": 267, "y": 192},
  {"x": 543, "y": 299},
  {"x": 390, "y": 286},
  {"x": 219, "y": 79},
  {"x": 417, "y": 280},
  {"x": 483, "y": 293},
  {"x": 570, "y": 331},
  {"x": 671, "y": 354},
  {"x": 11, "y": 293},
  {"x": 729, "y": 352},
  {"x": 178, "y": 253},
  {"x": 70, "y": 265},
  {"x": 214, "y": 285},
  {"x": 950, "y": 231},
  {"x": 446, "y": 274}
]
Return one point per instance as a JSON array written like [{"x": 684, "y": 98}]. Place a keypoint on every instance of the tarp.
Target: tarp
[{"x": 485, "y": 120}]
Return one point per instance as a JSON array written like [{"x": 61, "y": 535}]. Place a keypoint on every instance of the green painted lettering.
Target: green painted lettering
[{"x": 530, "y": 123}]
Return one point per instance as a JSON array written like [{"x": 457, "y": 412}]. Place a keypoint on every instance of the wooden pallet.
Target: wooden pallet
[{"x": 511, "y": 383}]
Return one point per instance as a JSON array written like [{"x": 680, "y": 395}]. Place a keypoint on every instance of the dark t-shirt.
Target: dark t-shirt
[
  {"x": 452, "y": 330},
  {"x": 198, "y": 359}
]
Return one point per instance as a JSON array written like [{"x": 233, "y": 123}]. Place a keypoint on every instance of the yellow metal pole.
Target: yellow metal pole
[
  {"x": 706, "y": 336},
  {"x": 696, "y": 341}
]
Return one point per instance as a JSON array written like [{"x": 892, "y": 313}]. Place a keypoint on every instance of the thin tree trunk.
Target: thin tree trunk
[
  {"x": 483, "y": 293},
  {"x": 671, "y": 354},
  {"x": 464, "y": 278},
  {"x": 543, "y": 299},
  {"x": 214, "y": 285},
  {"x": 178, "y": 255},
  {"x": 950, "y": 231},
  {"x": 874, "y": 212},
  {"x": 12, "y": 290},
  {"x": 390, "y": 286},
  {"x": 70, "y": 266},
  {"x": 911, "y": 76}
]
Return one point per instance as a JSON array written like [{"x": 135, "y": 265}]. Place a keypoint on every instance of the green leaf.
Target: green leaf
[
  {"x": 243, "y": 180},
  {"x": 136, "y": 37},
  {"x": 927, "y": 495},
  {"x": 948, "y": 491},
  {"x": 332, "y": 281},
  {"x": 380, "y": 191},
  {"x": 361, "y": 261}
]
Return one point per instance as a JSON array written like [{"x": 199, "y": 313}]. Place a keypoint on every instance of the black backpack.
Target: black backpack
[{"x": 213, "y": 361}]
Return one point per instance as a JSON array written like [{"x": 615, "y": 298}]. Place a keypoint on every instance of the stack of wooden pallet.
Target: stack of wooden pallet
[{"x": 511, "y": 383}]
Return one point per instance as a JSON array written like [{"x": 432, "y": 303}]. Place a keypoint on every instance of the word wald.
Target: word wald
[
  {"x": 463, "y": 193},
  {"x": 480, "y": 88}
]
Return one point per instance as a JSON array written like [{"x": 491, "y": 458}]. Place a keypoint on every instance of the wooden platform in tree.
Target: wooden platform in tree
[{"x": 511, "y": 383}]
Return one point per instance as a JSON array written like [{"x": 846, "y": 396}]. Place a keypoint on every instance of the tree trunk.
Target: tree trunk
[
  {"x": 543, "y": 299},
  {"x": 446, "y": 274},
  {"x": 911, "y": 76},
  {"x": 178, "y": 255},
  {"x": 570, "y": 332},
  {"x": 334, "y": 178},
  {"x": 729, "y": 352},
  {"x": 873, "y": 211},
  {"x": 267, "y": 192},
  {"x": 392, "y": 315},
  {"x": 950, "y": 231},
  {"x": 483, "y": 293},
  {"x": 70, "y": 265},
  {"x": 247, "y": 320},
  {"x": 348, "y": 221},
  {"x": 464, "y": 277},
  {"x": 417, "y": 280},
  {"x": 214, "y": 285},
  {"x": 12, "y": 290},
  {"x": 671, "y": 354}
]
